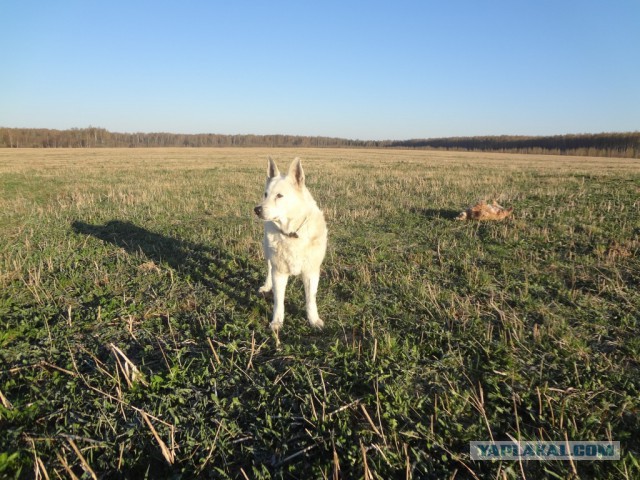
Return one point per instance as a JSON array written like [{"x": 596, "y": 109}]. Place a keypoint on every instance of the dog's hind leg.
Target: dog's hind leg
[
  {"x": 310, "y": 281},
  {"x": 268, "y": 283},
  {"x": 279, "y": 288}
]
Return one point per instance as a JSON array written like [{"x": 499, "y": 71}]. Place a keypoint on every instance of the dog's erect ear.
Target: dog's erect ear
[
  {"x": 272, "y": 169},
  {"x": 296, "y": 172}
]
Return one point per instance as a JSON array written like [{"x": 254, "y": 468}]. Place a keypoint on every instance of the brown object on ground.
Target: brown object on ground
[{"x": 484, "y": 211}]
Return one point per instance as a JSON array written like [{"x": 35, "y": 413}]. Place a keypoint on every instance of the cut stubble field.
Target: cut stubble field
[{"x": 134, "y": 343}]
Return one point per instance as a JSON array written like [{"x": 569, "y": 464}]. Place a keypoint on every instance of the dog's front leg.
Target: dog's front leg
[
  {"x": 268, "y": 282},
  {"x": 310, "y": 281},
  {"x": 279, "y": 286}
]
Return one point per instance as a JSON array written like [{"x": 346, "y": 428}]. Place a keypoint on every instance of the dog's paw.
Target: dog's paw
[
  {"x": 264, "y": 289},
  {"x": 275, "y": 326},
  {"x": 316, "y": 323}
]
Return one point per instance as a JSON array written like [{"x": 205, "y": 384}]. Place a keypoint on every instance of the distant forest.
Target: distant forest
[{"x": 601, "y": 144}]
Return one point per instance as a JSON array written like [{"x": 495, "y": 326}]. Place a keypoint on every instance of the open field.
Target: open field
[{"x": 133, "y": 342}]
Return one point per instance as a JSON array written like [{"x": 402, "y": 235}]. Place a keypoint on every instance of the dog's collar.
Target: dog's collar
[{"x": 295, "y": 233}]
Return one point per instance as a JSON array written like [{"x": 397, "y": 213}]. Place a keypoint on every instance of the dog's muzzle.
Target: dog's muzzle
[{"x": 258, "y": 211}]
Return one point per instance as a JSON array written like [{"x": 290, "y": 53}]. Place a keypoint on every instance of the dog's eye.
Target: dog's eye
[
  {"x": 279, "y": 195},
  {"x": 265, "y": 194}
]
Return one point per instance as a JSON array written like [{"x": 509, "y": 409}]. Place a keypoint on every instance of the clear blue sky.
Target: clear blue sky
[{"x": 353, "y": 69}]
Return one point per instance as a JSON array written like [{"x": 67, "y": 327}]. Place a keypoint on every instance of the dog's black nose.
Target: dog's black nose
[{"x": 258, "y": 210}]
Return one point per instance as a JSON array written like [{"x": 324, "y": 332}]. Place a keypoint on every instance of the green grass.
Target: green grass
[{"x": 133, "y": 342}]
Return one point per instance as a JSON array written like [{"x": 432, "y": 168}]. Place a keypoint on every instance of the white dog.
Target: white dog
[{"x": 295, "y": 239}]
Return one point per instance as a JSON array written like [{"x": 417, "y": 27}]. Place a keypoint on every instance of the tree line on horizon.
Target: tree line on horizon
[{"x": 623, "y": 144}]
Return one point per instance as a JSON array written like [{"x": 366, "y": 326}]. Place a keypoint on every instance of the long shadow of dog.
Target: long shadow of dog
[{"x": 217, "y": 270}]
